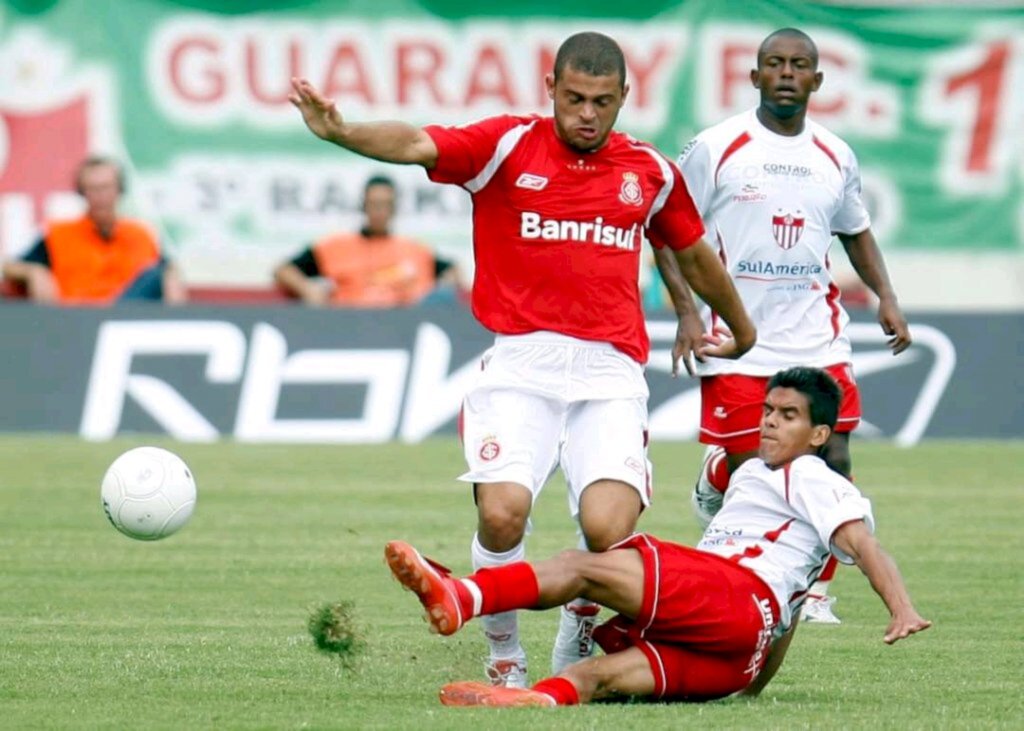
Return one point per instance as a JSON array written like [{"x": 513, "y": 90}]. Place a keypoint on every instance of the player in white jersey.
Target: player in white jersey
[
  {"x": 773, "y": 187},
  {"x": 693, "y": 624}
]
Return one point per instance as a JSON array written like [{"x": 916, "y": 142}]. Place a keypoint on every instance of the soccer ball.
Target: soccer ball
[{"x": 148, "y": 493}]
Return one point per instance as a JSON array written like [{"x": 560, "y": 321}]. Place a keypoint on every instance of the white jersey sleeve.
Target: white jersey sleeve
[
  {"x": 827, "y": 501},
  {"x": 851, "y": 217},
  {"x": 695, "y": 163}
]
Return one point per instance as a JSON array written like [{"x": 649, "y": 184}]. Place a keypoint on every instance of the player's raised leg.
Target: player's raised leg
[{"x": 614, "y": 579}]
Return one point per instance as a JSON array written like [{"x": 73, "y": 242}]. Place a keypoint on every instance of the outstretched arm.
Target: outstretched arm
[
  {"x": 690, "y": 332},
  {"x": 856, "y": 540},
  {"x": 704, "y": 272},
  {"x": 396, "y": 142},
  {"x": 867, "y": 260}
]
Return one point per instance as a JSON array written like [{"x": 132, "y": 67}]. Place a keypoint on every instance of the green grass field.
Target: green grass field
[{"x": 207, "y": 629}]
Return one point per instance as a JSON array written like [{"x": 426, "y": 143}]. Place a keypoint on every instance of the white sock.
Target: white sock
[{"x": 501, "y": 630}]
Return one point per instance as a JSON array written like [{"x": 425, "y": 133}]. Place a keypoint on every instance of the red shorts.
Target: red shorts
[
  {"x": 732, "y": 404},
  {"x": 705, "y": 623}
]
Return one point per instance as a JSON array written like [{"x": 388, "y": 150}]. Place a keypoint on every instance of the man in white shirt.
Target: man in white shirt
[
  {"x": 773, "y": 187},
  {"x": 700, "y": 623}
]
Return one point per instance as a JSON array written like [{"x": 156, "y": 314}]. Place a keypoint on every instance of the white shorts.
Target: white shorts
[{"x": 544, "y": 400}]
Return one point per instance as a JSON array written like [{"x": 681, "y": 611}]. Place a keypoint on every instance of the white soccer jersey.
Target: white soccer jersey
[
  {"x": 770, "y": 205},
  {"x": 779, "y": 524}
]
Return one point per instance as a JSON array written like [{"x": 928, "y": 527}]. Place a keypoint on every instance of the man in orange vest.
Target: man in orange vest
[
  {"x": 100, "y": 258},
  {"x": 371, "y": 268}
]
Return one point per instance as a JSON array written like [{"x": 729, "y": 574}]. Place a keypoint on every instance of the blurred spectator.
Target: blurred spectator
[
  {"x": 371, "y": 268},
  {"x": 99, "y": 258}
]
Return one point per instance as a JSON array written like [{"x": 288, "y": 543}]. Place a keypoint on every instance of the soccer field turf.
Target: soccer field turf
[{"x": 207, "y": 629}]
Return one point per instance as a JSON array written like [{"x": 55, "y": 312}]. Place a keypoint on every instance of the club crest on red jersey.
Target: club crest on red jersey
[
  {"x": 787, "y": 228},
  {"x": 631, "y": 193}
]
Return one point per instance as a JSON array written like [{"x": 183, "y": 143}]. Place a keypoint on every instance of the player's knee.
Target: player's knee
[
  {"x": 608, "y": 514},
  {"x": 603, "y": 528},
  {"x": 501, "y": 526}
]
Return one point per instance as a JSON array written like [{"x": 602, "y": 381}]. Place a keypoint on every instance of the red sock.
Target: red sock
[
  {"x": 561, "y": 689},
  {"x": 717, "y": 471},
  {"x": 513, "y": 586},
  {"x": 829, "y": 571}
]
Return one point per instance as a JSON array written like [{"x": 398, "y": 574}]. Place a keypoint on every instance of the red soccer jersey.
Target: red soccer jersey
[{"x": 557, "y": 232}]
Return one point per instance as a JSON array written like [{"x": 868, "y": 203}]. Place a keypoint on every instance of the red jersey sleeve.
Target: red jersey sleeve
[
  {"x": 676, "y": 224},
  {"x": 463, "y": 152}
]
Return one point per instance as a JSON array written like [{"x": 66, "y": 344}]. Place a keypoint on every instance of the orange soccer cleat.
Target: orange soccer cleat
[
  {"x": 431, "y": 582},
  {"x": 472, "y": 693}
]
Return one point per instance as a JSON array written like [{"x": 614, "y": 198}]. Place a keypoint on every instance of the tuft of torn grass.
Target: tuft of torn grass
[{"x": 334, "y": 630}]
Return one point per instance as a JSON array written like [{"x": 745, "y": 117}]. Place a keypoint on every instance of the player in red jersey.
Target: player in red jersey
[
  {"x": 561, "y": 207},
  {"x": 700, "y": 623},
  {"x": 775, "y": 187}
]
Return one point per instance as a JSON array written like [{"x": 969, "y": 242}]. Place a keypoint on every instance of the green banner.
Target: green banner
[{"x": 193, "y": 96}]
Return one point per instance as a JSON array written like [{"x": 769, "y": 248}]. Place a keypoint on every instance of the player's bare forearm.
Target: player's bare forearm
[
  {"x": 776, "y": 655},
  {"x": 707, "y": 276},
  {"x": 678, "y": 291},
  {"x": 690, "y": 331},
  {"x": 870, "y": 266},
  {"x": 396, "y": 142},
  {"x": 867, "y": 261},
  {"x": 857, "y": 541}
]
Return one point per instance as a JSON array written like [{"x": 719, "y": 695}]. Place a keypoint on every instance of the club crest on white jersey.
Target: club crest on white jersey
[{"x": 787, "y": 228}]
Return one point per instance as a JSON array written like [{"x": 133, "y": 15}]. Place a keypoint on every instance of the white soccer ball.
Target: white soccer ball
[{"x": 148, "y": 493}]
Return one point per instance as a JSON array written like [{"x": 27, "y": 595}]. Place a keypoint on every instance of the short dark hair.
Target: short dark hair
[
  {"x": 591, "y": 53},
  {"x": 789, "y": 33},
  {"x": 822, "y": 392},
  {"x": 378, "y": 180},
  {"x": 95, "y": 161}
]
